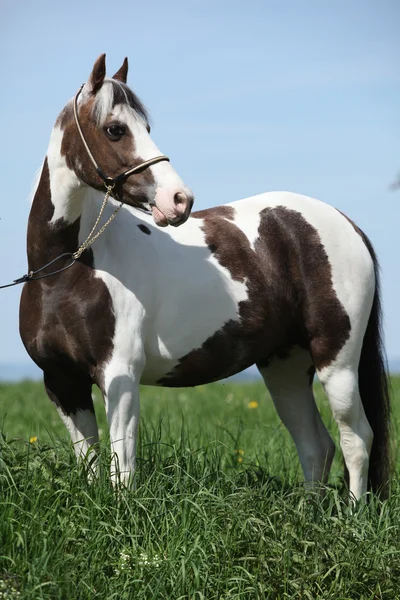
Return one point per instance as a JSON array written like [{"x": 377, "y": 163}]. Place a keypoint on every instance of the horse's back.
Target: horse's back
[{"x": 273, "y": 216}]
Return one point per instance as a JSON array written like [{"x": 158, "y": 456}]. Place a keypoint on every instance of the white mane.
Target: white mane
[
  {"x": 35, "y": 183},
  {"x": 104, "y": 101}
]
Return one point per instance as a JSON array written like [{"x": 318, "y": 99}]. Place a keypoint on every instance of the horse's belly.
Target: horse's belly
[
  {"x": 198, "y": 302},
  {"x": 196, "y": 353},
  {"x": 184, "y": 330},
  {"x": 217, "y": 358}
]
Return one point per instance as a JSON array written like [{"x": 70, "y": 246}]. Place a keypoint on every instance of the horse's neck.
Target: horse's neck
[
  {"x": 54, "y": 220},
  {"x": 63, "y": 213}
]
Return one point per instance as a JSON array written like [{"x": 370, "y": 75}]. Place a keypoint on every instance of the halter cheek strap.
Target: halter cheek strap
[{"x": 111, "y": 181}]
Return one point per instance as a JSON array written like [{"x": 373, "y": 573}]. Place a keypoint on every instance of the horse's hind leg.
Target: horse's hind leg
[
  {"x": 71, "y": 392},
  {"x": 340, "y": 381},
  {"x": 289, "y": 381}
]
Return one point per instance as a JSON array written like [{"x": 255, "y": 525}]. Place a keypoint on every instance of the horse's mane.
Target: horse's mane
[{"x": 35, "y": 183}]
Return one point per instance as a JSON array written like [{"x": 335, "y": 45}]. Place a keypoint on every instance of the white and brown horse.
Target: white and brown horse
[{"x": 278, "y": 280}]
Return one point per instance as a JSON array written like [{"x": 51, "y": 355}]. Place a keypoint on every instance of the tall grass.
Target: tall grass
[{"x": 219, "y": 510}]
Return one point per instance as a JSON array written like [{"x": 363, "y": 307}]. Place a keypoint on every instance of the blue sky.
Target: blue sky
[{"x": 244, "y": 98}]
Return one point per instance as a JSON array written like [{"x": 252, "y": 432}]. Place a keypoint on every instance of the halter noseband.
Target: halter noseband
[{"x": 110, "y": 182}]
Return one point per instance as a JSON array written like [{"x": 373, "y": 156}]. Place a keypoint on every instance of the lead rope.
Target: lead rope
[{"x": 91, "y": 238}]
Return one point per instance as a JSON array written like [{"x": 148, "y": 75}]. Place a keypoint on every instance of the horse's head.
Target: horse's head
[{"x": 110, "y": 131}]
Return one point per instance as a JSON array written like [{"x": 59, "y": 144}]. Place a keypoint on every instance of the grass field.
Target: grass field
[{"x": 219, "y": 511}]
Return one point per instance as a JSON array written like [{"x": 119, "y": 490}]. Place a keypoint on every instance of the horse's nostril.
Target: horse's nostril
[
  {"x": 183, "y": 202},
  {"x": 179, "y": 198}
]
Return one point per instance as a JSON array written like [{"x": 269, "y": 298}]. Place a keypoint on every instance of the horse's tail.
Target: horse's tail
[{"x": 373, "y": 380}]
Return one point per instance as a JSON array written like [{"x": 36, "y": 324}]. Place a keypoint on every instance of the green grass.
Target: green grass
[{"x": 219, "y": 510}]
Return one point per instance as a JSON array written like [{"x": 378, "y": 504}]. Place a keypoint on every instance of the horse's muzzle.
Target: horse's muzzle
[
  {"x": 183, "y": 206},
  {"x": 175, "y": 213}
]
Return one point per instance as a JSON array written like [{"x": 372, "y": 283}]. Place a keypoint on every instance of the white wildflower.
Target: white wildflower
[
  {"x": 127, "y": 561},
  {"x": 145, "y": 561},
  {"x": 123, "y": 563},
  {"x": 8, "y": 591}
]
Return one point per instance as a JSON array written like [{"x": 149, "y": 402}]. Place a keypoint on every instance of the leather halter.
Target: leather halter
[{"x": 111, "y": 181}]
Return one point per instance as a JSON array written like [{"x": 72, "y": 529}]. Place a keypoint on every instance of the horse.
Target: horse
[{"x": 280, "y": 280}]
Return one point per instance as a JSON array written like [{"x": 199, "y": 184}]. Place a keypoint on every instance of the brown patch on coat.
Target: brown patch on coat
[
  {"x": 66, "y": 321},
  {"x": 291, "y": 300},
  {"x": 226, "y": 212}
]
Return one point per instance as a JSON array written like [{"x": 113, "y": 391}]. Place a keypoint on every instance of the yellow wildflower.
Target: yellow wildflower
[
  {"x": 33, "y": 439},
  {"x": 240, "y": 454},
  {"x": 253, "y": 404}
]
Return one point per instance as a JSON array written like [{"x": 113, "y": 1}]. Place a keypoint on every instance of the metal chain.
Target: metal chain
[{"x": 91, "y": 238}]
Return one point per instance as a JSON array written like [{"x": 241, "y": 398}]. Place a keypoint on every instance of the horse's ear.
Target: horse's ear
[
  {"x": 122, "y": 72},
  {"x": 97, "y": 75}
]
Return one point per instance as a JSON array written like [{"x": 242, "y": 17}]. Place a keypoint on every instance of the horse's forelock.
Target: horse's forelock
[
  {"x": 103, "y": 103},
  {"x": 112, "y": 93}
]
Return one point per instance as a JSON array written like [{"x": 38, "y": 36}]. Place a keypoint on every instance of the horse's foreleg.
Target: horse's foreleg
[
  {"x": 289, "y": 382},
  {"x": 71, "y": 392},
  {"x": 122, "y": 407}
]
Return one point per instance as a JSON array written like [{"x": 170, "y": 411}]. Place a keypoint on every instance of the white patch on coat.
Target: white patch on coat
[
  {"x": 82, "y": 427},
  {"x": 121, "y": 395},
  {"x": 167, "y": 181},
  {"x": 249, "y": 223},
  {"x": 169, "y": 292},
  {"x": 198, "y": 295},
  {"x": 67, "y": 191}
]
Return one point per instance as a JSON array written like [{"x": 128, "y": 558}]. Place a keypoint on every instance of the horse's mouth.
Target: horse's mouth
[{"x": 159, "y": 218}]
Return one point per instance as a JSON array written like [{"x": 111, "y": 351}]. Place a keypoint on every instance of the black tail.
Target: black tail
[{"x": 374, "y": 390}]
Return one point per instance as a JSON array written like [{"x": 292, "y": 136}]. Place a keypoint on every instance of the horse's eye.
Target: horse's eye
[{"x": 115, "y": 132}]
